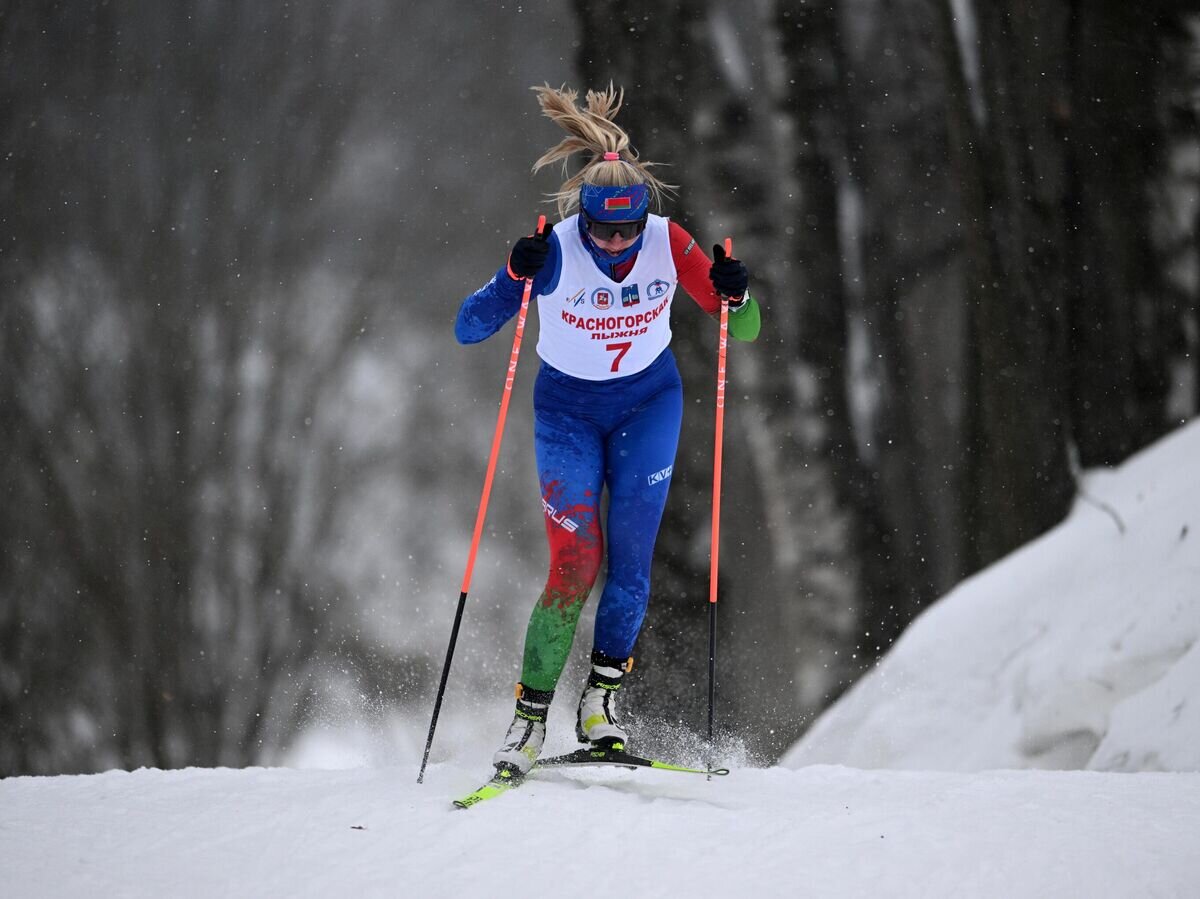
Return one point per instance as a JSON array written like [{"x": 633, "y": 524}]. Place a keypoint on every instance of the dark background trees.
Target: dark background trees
[
  {"x": 212, "y": 260},
  {"x": 236, "y": 430}
]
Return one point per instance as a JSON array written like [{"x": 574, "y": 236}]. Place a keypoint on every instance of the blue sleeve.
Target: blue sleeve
[
  {"x": 485, "y": 311},
  {"x": 488, "y": 309}
]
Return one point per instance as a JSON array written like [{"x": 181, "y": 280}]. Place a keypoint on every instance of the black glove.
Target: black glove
[
  {"x": 729, "y": 275},
  {"x": 528, "y": 255}
]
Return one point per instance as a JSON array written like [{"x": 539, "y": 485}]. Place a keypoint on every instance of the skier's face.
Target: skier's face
[
  {"x": 614, "y": 237},
  {"x": 614, "y": 245}
]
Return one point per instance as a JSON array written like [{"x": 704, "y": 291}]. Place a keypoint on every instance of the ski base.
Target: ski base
[{"x": 507, "y": 778}]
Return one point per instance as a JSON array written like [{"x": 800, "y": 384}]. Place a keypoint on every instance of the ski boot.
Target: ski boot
[
  {"x": 526, "y": 734},
  {"x": 596, "y": 721}
]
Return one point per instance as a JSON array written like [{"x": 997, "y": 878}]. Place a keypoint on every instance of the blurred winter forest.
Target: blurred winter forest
[{"x": 242, "y": 451}]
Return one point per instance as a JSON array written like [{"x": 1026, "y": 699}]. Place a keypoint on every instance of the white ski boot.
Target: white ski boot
[
  {"x": 527, "y": 733},
  {"x": 596, "y": 721}
]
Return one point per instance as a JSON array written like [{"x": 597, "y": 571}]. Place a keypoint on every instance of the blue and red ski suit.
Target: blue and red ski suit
[{"x": 621, "y": 433}]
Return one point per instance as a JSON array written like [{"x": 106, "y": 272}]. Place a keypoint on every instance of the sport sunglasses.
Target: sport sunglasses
[{"x": 609, "y": 230}]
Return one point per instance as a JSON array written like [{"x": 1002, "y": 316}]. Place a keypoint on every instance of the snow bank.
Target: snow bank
[{"x": 1077, "y": 651}]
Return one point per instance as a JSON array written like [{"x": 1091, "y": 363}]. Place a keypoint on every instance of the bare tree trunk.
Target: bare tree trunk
[
  {"x": 912, "y": 323},
  {"x": 1021, "y": 483},
  {"x": 788, "y": 574},
  {"x": 1119, "y": 318},
  {"x": 827, "y": 500},
  {"x": 656, "y": 59}
]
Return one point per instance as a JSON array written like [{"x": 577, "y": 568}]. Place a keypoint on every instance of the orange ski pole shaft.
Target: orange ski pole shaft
[
  {"x": 722, "y": 346},
  {"x": 481, "y": 514},
  {"x": 510, "y": 376},
  {"x": 715, "y": 547}
]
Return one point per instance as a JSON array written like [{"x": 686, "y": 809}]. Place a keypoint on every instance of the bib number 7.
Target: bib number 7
[{"x": 620, "y": 349}]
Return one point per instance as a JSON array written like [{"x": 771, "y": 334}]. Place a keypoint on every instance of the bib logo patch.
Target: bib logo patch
[
  {"x": 629, "y": 295},
  {"x": 577, "y": 299},
  {"x": 602, "y": 298},
  {"x": 657, "y": 288}
]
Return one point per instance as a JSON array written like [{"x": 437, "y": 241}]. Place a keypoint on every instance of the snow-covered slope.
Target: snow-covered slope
[
  {"x": 1080, "y": 650},
  {"x": 820, "y": 832}
]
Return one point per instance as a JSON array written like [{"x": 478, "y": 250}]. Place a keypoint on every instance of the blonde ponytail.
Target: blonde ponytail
[{"x": 592, "y": 131}]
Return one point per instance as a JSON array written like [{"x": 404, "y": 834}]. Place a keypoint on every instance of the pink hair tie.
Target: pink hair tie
[{"x": 611, "y": 157}]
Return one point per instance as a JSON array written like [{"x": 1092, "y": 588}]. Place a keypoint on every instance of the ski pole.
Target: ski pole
[
  {"x": 714, "y": 553},
  {"x": 481, "y": 515}
]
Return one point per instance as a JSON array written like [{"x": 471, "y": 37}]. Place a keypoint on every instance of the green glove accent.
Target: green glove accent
[{"x": 745, "y": 322}]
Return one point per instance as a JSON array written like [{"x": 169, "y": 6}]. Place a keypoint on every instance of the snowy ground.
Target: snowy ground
[
  {"x": 1081, "y": 650},
  {"x": 820, "y": 831}
]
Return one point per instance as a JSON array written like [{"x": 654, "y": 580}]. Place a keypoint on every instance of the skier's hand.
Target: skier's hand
[
  {"x": 528, "y": 255},
  {"x": 728, "y": 275}
]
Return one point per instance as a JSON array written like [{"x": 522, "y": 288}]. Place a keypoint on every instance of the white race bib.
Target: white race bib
[{"x": 598, "y": 329}]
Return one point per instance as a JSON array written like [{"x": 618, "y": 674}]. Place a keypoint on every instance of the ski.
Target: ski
[
  {"x": 502, "y": 781},
  {"x": 506, "y": 779},
  {"x": 594, "y": 755}
]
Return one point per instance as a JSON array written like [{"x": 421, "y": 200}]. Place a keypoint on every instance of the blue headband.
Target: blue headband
[{"x": 614, "y": 204}]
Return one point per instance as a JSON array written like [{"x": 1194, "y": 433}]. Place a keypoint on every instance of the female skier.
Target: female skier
[{"x": 607, "y": 401}]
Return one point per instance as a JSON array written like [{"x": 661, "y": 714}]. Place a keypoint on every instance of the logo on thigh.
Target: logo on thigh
[
  {"x": 660, "y": 476},
  {"x": 558, "y": 518}
]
